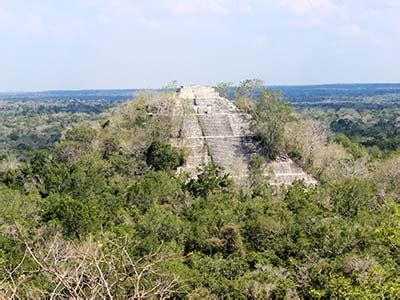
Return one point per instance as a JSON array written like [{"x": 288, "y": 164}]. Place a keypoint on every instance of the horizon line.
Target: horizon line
[{"x": 212, "y": 85}]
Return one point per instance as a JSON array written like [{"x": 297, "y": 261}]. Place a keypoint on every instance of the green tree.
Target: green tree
[
  {"x": 109, "y": 147},
  {"x": 353, "y": 148},
  {"x": 257, "y": 176},
  {"x": 83, "y": 134},
  {"x": 246, "y": 92},
  {"x": 163, "y": 157},
  {"x": 269, "y": 119},
  {"x": 161, "y": 224},
  {"x": 249, "y": 88},
  {"x": 354, "y": 196},
  {"x": 232, "y": 238},
  {"x": 154, "y": 188},
  {"x": 75, "y": 217},
  {"x": 211, "y": 179},
  {"x": 223, "y": 88}
]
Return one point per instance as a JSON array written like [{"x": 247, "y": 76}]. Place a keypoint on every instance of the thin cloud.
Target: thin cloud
[
  {"x": 349, "y": 30},
  {"x": 307, "y": 6},
  {"x": 221, "y": 7},
  {"x": 198, "y": 6},
  {"x": 5, "y": 18}
]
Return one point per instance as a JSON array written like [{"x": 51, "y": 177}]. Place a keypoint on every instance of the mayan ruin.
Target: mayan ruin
[{"x": 214, "y": 129}]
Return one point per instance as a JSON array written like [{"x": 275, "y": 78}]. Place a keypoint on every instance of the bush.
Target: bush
[
  {"x": 82, "y": 134},
  {"x": 163, "y": 157},
  {"x": 75, "y": 217},
  {"x": 211, "y": 179},
  {"x": 154, "y": 188},
  {"x": 353, "y": 148}
]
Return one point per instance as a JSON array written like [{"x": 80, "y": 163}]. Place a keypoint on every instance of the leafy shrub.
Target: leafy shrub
[
  {"x": 75, "y": 217},
  {"x": 154, "y": 188},
  {"x": 163, "y": 157},
  {"x": 82, "y": 134},
  {"x": 211, "y": 179},
  {"x": 353, "y": 148}
]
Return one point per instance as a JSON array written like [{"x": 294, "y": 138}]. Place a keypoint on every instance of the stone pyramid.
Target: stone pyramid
[{"x": 213, "y": 129}]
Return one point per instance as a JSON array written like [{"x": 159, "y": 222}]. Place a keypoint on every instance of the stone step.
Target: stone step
[
  {"x": 290, "y": 178},
  {"x": 232, "y": 153},
  {"x": 216, "y": 125},
  {"x": 191, "y": 126}
]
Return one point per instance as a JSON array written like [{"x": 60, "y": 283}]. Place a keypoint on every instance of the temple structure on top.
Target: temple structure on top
[{"x": 213, "y": 129}]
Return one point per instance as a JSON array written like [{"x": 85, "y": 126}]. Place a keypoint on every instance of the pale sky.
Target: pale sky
[{"x": 78, "y": 44}]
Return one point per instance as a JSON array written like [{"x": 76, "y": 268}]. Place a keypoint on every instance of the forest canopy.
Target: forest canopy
[{"x": 103, "y": 213}]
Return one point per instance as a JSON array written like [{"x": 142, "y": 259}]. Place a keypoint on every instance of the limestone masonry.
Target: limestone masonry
[{"x": 214, "y": 129}]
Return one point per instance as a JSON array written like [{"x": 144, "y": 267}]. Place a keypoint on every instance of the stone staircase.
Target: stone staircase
[
  {"x": 216, "y": 125},
  {"x": 285, "y": 172},
  {"x": 233, "y": 153}
]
